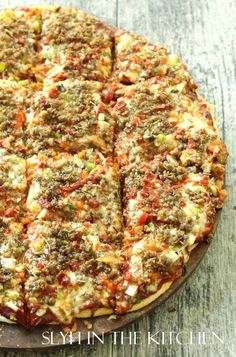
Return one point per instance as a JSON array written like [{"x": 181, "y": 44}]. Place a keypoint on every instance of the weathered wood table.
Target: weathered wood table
[{"x": 203, "y": 33}]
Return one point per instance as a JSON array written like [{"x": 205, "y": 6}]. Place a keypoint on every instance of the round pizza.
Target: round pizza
[{"x": 111, "y": 168}]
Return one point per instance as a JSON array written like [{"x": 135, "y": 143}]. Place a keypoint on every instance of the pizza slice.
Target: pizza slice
[
  {"x": 81, "y": 188},
  {"x": 19, "y": 29},
  {"x": 13, "y": 186},
  {"x": 14, "y": 101},
  {"x": 152, "y": 260},
  {"x": 69, "y": 116},
  {"x": 72, "y": 270},
  {"x": 12, "y": 272},
  {"x": 81, "y": 48},
  {"x": 187, "y": 202},
  {"x": 159, "y": 118},
  {"x": 149, "y": 98},
  {"x": 137, "y": 59},
  {"x": 167, "y": 213}
]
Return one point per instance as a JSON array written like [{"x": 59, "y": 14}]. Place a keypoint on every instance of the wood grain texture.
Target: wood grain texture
[{"x": 203, "y": 33}]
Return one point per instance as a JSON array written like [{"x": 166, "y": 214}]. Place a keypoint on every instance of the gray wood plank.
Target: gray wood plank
[{"x": 204, "y": 35}]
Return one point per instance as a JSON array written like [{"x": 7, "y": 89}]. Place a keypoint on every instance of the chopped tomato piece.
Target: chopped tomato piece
[
  {"x": 110, "y": 94},
  {"x": 111, "y": 286},
  {"x": 53, "y": 93},
  {"x": 42, "y": 101},
  {"x": 142, "y": 116},
  {"x": 146, "y": 191},
  {"x": 150, "y": 177},
  {"x": 20, "y": 119},
  {"x": 145, "y": 218},
  {"x": 93, "y": 203},
  {"x": 5, "y": 144},
  {"x": 87, "y": 224},
  {"x": 63, "y": 279},
  {"x": 153, "y": 248},
  {"x": 135, "y": 121},
  {"x": 20, "y": 41},
  {"x": 9, "y": 212},
  {"x": 191, "y": 143},
  {"x": 63, "y": 144},
  {"x": 79, "y": 205},
  {"x": 74, "y": 265},
  {"x": 41, "y": 265},
  {"x": 60, "y": 77},
  {"x": 26, "y": 220},
  {"x": 204, "y": 181},
  {"x": 179, "y": 132},
  {"x": 164, "y": 156},
  {"x": 132, "y": 193},
  {"x": 147, "y": 181},
  {"x": 93, "y": 179},
  {"x": 182, "y": 203},
  {"x": 97, "y": 245},
  {"x": 128, "y": 276},
  {"x": 100, "y": 108},
  {"x": 48, "y": 291},
  {"x": 68, "y": 189},
  {"x": 136, "y": 48},
  {"x": 120, "y": 104},
  {"x": 164, "y": 60},
  {"x": 45, "y": 41},
  {"x": 163, "y": 108}
]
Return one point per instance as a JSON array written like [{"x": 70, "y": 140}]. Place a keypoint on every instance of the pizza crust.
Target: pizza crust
[
  {"x": 151, "y": 298},
  {"x": 99, "y": 312}
]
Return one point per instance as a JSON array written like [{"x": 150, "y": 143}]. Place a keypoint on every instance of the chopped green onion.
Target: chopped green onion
[
  {"x": 23, "y": 82},
  {"x": 48, "y": 55},
  {"x": 37, "y": 26},
  {"x": 66, "y": 96},
  {"x": 48, "y": 173},
  {"x": 2, "y": 67},
  {"x": 196, "y": 210},
  {"x": 160, "y": 139},
  {"x": 173, "y": 60},
  {"x": 89, "y": 165},
  {"x": 162, "y": 213},
  {"x": 213, "y": 190},
  {"x": 71, "y": 206}
]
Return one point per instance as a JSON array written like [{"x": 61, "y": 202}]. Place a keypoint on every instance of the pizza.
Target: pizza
[{"x": 111, "y": 168}]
